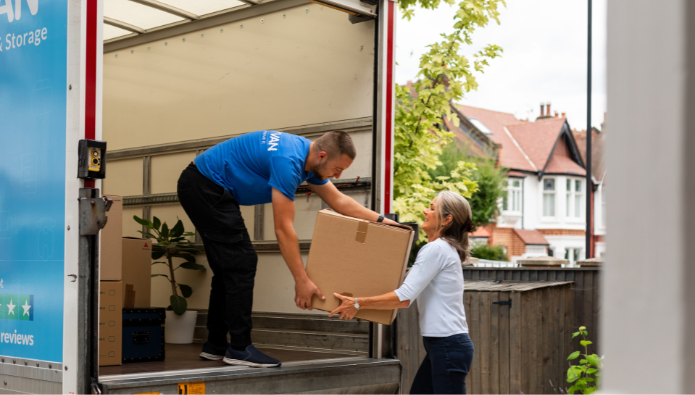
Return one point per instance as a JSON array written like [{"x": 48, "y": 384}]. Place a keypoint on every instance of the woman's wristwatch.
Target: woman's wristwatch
[
  {"x": 357, "y": 305},
  {"x": 380, "y": 219}
]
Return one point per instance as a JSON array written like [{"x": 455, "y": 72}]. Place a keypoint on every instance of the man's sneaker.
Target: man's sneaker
[
  {"x": 249, "y": 357},
  {"x": 213, "y": 353}
]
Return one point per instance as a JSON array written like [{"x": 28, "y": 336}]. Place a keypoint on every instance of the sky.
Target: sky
[{"x": 544, "y": 59}]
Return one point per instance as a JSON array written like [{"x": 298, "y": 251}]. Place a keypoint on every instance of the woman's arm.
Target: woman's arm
[{"x": 387, "y": 301}]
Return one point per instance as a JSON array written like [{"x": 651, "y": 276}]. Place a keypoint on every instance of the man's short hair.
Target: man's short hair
[{"x": 336, "y": 143}]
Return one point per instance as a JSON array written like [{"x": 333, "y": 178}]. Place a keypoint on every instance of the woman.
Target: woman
[{"x": 436, "y": 281}]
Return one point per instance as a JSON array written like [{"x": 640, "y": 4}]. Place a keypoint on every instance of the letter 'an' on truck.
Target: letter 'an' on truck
[{"x": 160, "y": 82}]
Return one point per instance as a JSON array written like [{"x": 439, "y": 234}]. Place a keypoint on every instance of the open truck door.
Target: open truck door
[
  {"x": 177, "y": 79},
  {"x": 50, "y": 57}
]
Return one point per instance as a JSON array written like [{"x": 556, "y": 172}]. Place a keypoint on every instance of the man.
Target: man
[{"x": 257, "y": 168}]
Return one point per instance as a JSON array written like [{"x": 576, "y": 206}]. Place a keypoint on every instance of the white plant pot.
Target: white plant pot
[{"x": 179, "y": 328}]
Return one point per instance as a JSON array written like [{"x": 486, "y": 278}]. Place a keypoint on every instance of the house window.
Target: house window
[
  {"x": 512, "y": 202},
  {"x": 574, "y": 198},
  {"x": 573, "y": 254},
  {"x": 549, "y": 197}
]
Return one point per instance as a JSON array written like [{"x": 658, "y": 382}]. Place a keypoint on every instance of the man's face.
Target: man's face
[{"x": 331, "y": 168}]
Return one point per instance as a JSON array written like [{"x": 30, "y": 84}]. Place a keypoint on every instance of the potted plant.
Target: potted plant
[{"x": 172, "y": 243}]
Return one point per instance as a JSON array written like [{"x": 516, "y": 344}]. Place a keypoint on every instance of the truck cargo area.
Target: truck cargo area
[{"x": 286, "y": 337}]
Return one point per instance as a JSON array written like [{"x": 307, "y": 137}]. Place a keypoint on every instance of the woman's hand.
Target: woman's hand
[{"x": 346, "y": 310}]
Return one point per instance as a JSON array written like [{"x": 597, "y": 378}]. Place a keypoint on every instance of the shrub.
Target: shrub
[
  {"x": 585, "y": 376},
  {"x": 492, "y": 253}
]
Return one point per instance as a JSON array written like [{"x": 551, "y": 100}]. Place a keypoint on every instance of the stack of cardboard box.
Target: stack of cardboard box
[{"x": 125, "y": 270}]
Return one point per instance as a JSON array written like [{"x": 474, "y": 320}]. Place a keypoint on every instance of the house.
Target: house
[
  {"x": 544, "y": 210},
  {"x": 598, "y": 175}
]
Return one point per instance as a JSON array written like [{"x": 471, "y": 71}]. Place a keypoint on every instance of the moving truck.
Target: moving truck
[{"x": 160, "y": 82}]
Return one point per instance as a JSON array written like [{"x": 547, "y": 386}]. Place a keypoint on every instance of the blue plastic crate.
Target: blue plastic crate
[{"x": 143, "y": 335}]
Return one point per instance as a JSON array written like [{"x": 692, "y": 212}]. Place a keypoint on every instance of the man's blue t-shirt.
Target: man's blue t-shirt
[{"x": 249, "y": 166}]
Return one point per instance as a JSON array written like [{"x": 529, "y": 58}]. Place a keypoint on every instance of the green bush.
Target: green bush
[
  {"x": 585, "y": 376},
  {"x": 492, "y": 253}
]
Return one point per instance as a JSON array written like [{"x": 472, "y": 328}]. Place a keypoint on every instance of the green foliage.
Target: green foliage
[
  {"x": 445, "y": 74},
  {"x": 585, "y": 376},
  {"x": 492, "y": 253},
  {"x": 172, "y": 243},
  {"x": 491, "y": 182}
]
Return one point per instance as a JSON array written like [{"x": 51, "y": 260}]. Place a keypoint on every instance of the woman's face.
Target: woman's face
[{"x": 430, "y": 222}]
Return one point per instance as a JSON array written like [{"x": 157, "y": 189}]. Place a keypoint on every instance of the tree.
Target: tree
[
  {"x": 444, "y": 76},
  {"x": 490, "y": 181}
]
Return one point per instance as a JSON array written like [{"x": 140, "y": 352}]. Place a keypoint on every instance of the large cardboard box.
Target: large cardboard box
[
  {"x": 137, "y": 272},
  {"x": 111, "y": 246},
  {"x": 110, "y": 323},
  {"x": 356, "y": 257}
]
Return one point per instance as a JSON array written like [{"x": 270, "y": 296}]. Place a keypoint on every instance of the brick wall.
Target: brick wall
[
  {"x": 562, "y": 232},
  {"x": 510, "y": 240}
]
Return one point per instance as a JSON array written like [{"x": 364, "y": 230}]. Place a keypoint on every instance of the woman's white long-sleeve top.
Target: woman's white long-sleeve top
[{"x": 436, "y": 282}]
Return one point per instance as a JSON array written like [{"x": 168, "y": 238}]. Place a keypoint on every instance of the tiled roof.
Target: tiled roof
[
  {"x": 531, "y": 237},
  {"x": 598, "y": 162},
  {"x": 480, "y": 232},
  {"x": 510, "y": 155},
  {"x": 537, "y": 138},
  {"x": 527, "y": 146},
  {"x": 562, "y": 162},
  {"x": 462, "y": 138}
]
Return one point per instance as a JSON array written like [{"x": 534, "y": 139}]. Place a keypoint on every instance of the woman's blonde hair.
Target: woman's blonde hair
[{"x": 456, "y": 231}]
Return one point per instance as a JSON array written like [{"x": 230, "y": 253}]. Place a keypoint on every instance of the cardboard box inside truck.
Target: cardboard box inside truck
[
  {"x": 110, "y": 322},
  {"x": 137, "y": 272},
  {"x": 356, "y": 257},
  {"x": 110, "y": 261}
]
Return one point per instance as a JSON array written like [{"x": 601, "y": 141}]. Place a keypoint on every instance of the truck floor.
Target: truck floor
[{"x": 185, "y": 356}]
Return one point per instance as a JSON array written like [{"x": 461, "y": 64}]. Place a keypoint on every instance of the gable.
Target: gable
[{"x": 561, "y": 161}]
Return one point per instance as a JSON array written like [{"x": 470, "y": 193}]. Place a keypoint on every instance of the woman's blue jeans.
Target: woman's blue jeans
[{"x": 444, "y": 369}]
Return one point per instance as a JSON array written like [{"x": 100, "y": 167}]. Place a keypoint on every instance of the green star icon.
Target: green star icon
[{"x": 11, "y": 307}]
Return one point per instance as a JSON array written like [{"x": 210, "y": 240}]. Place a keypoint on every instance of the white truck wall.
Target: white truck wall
[{"x": 308, "y": 67}]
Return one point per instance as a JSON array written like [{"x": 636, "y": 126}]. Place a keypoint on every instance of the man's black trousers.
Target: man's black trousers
[{"x": 231, "y": 256}]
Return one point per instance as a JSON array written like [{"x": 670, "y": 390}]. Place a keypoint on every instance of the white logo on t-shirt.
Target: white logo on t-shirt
[{"x": 274, "y": 138}]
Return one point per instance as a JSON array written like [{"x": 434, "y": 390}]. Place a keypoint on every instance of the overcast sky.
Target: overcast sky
[{"x": 544, "y": 59}]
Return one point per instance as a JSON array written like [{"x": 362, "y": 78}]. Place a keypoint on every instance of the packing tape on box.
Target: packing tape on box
[{"x": 361, "y": 234}]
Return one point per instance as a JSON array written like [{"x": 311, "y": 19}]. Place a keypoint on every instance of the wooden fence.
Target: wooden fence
[{"x": 410, "y": 350}]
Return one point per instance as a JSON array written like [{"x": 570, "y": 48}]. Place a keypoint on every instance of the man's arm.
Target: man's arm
[
  {"x": 344, "y": 204},
  {"x": 283, "y": 213}
]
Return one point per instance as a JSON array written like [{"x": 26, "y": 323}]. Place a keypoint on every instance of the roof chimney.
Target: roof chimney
[
  {"x": 542, "y": 108},
  {"x": 548, "y": 109},
  {"x": 555, "y": 114},
  {"x": 563, "y": 115}
]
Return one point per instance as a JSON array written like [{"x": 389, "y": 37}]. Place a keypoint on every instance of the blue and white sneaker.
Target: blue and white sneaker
[
  {"x": 213, "y": 353},
  {"x": 250, "y": 357}
]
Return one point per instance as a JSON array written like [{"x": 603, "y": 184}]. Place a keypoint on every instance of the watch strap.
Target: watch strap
[
  {"x": 380, "y": 219},
  {"x": 357, "y": 305}
]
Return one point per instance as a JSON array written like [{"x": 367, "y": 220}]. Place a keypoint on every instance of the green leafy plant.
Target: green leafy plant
[
  {"x": 492, "y": 253},
  {"x": 490, "y": 179},
  {"x": 444, "y": 75},
  {"x": 585, "y": 376},
  {"x": 172, "y": 243}
]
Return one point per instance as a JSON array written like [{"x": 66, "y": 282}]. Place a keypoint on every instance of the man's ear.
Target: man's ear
[{"x": 322, "y": 155}]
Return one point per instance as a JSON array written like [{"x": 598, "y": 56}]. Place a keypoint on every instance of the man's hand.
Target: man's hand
[
  {"x": 304, "y": 290},
  {"x": 344, "y": 204}
]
